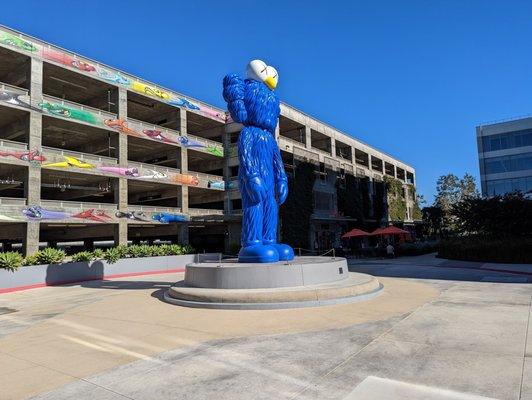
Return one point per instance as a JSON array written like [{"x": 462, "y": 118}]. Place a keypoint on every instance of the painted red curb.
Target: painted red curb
[{"x": 113, "y": 276}]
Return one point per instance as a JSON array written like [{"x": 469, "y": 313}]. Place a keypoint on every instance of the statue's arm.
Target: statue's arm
[
  {"x": 281, "y": 180},
  {"x": 249, "y": 170},
  {"x": 233, "y": 93}
]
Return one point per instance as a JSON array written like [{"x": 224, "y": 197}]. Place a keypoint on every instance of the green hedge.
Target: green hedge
[
  {"x": 417, "y": 249},
  {"x": 477, "y": 248},
  {"x": 11, "y": 261}
]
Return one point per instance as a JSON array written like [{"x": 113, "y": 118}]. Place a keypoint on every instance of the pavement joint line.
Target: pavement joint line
[
  {"x": 443, "y": 267},
  {"x": 353, "y": 355},
  {"x": 450, "y": 349},
  {"x": 107, "y": 389},
  {"x": 524, "y": 350}
]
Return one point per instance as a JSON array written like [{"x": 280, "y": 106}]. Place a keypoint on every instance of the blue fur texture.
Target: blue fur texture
[{"x": 262, "y": 179}]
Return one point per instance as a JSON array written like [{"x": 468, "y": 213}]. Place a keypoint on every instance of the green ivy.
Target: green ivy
[
  {"x": 417, "y": 215},
  {"x": 298, "y": 208},
  {"x": 396, "y": 203}
]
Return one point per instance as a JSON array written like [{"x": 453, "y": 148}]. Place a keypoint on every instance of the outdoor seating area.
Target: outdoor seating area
[{"x": 361, "y": 244}]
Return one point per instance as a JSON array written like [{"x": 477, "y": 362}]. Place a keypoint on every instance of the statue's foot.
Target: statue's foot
[
  {"x": 258, "y": 253},
  {"x": 286, "y": 253}
]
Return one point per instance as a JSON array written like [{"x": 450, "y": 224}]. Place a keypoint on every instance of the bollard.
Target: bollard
[{"x": 334, "y": 254}]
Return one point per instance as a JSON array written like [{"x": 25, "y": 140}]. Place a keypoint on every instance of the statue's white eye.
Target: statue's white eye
[{"x": 257, "y": 70}]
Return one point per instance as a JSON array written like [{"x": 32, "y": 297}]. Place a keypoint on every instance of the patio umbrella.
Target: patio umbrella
[
  {"x": 389, "y": 230},
  {"x": 355, "y": 233}
]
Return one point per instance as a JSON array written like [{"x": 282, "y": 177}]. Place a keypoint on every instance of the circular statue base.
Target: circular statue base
[{"x": 303, "y": 282}]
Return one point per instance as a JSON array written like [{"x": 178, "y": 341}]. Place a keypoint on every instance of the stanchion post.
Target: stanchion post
[{"x": 334, "y": 254}]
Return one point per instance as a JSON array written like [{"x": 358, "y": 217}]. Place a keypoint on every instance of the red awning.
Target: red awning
[
  {"x": 389, "y": 230},
  {"x": 355, "y": 233}
]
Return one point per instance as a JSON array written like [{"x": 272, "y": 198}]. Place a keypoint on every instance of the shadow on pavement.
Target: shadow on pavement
[
  {"x": 438, "y": 273},
  {"x": 125, "y": 285}
]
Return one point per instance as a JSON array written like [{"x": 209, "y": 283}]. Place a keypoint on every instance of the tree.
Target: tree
[
  {"x": 433, "y": 220},
  {"x": 451, "y": 190}
]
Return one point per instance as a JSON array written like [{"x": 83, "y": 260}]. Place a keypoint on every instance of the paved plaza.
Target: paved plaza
[{"x": 440, "y": 330}]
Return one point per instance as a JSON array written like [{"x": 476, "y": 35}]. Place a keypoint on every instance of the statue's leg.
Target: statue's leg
[
  {"x": 253, "y": 250},
  {"x": 271, "y": 219}
]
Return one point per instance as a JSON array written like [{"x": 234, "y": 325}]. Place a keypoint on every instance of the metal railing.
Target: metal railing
[
  {"x": 79, "y": 106},
  {"x": 204, "y": 211},
  {"x": 16, "y": 89},
  {"x": 135, "y": 123},
  {"x": 12, "y": 201},
  {"x": 13, "y": 145},
  {"x": 81, "y": 156},
  {"x": 208, "y": 177},
  {"x": 97, "y": 64},
  {"x": 78, "y": 205},
  {"x": 154, "y": 209},
  {"x": 144, "y": 166}
]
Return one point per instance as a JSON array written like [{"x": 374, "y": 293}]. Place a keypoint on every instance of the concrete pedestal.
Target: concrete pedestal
[{"x": 303, "y": 282}]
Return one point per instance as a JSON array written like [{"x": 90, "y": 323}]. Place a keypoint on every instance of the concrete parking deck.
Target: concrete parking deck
[{"x": 438, "y": 338}]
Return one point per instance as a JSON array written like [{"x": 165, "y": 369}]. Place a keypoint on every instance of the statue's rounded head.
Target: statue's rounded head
[{"x": 259, "y": 71}]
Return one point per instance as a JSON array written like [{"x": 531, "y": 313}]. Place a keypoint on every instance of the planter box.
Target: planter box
[{"x": 57, "y": 274}]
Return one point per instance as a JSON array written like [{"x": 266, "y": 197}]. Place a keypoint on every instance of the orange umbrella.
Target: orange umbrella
[
  {"x": 355, "y": 233},
  {"x": 389, "y": 230}
]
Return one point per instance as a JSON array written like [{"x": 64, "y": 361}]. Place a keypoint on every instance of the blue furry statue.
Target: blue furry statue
[{"x": 262, "y": 180}]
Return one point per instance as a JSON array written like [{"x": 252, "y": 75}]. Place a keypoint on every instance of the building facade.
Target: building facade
[
  {"x": 505, "y": 157},
  {"x": 89, "y": 153}
]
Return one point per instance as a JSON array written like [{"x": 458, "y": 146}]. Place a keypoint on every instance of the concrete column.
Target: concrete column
[
  {"x": 226, "y": 139},
  {"x": 36, "y": 76},
  {"x": 277, "y": 132},
  {"x": 308, "y": 137},
  {"x": 182, "y": 192},
  {"x": 31, "y": 241},
  {"x": 33, "y": 183},
  {"x": 333, "y": 147},
  {"x": 121, "y": 192}
]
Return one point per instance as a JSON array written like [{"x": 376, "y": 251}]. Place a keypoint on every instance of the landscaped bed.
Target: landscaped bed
[{"x": 48, "y": 266}]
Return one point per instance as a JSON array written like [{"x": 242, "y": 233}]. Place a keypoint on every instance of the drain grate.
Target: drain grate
[{"x": 7, "y": 310}]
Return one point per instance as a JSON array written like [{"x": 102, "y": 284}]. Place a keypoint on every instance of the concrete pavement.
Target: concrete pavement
[{"x": 458, "y": 337}]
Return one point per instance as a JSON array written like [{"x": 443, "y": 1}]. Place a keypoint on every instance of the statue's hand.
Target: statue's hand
[
  {"x": 282, "y": 190},
  {"x": 256, "y": 190}
]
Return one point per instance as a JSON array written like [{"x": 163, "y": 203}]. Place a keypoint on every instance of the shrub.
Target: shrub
[
  {"x": 50, "y": 256},
  {"x": 123, "y": 250},
  {"x": 417, "y": 249},
  {"x": 139, "y": 251},
  {"x": 97, "y": 254},
  {"x": 83, "y": 256},
  {"x": 173, "y": 249},
  {"x": 11, "y": 260},
  {"x": 158, "y": 250},
  {"x": 485, "y": 249},
  {"x": 30, "y": 260},
  {"x": 188, "y": 249},
  {"x": 112, "y": 255}
]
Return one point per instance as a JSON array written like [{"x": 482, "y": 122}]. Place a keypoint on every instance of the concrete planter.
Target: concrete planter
[{"x": 56, "y": 274}]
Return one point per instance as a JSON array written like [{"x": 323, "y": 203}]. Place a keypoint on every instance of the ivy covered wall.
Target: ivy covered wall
[
  {"x": 351, "y": 197},
  {"x": 396, "y": 201},
  {"x": 298, "y": 208},
  {"x": 417, "y": 215}
]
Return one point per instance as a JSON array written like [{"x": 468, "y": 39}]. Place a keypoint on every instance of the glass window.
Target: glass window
[
  {"x": 503, "y": 186},
  {"x": 507, "y": 140},
  {"x": 518, "y": 162}
]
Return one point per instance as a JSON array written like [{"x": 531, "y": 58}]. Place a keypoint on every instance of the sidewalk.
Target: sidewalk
[{"x": 430, "y": 260}]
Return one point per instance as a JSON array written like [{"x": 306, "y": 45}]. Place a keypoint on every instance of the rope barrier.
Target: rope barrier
[{"x": 222, "y": 256}]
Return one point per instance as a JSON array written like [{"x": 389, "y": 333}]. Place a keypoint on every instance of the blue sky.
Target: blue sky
[{"x": 412, "y": 78}]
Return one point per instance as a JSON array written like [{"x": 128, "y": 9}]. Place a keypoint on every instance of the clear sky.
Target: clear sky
[{"x": 412, "y": 78}]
